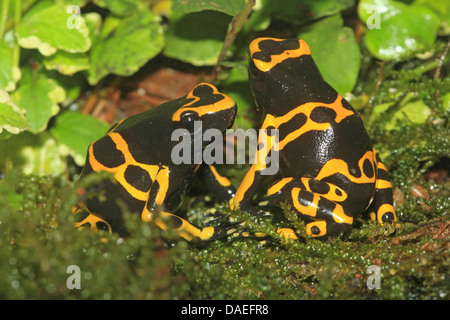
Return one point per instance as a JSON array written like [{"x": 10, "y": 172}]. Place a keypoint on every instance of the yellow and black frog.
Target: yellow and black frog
[
  {"x": 329, "y": 170},
  {"x": 147, "y": 175}
]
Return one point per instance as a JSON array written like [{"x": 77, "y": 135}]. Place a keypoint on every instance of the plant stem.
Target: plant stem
[
  {"x": 236, "y": 25},
  {"x": 17, "y": 16},
  {"x": 441, "y": 61},
  {"x": 3, "y": 17},
  {"x": 25, "y": 6}
]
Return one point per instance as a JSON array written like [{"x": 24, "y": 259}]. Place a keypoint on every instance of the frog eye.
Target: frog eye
[{"x": 188, "y": 119}]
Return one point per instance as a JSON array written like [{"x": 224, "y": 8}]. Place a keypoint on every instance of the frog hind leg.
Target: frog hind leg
[
  {"x": 159, "y": 210},
  {"x": 190, "y": 232},
  {"x": 382, "y": 208},
  {"x": 218, "y": 184},
  {"x": 90, "y": 220},
  {"x": 315, "y": 200}
]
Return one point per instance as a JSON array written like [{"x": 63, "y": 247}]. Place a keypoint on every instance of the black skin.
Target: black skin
[
  {"x": 148, "y": 138},
  {"x": 284, "y": 92}
]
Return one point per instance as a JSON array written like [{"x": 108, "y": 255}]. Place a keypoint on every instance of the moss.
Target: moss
[
  {"x": 38, "y": 242},
  {"x": 413, "y": 257}
]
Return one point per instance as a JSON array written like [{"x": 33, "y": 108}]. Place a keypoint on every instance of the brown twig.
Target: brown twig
[
  {"x": 379, "y": 81},
  {"x": 437, "y": 73},
  {"x": 236, "y": 25}
]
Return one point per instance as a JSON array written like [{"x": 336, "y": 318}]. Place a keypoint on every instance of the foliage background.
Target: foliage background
[{"x": 65, "y": 77}]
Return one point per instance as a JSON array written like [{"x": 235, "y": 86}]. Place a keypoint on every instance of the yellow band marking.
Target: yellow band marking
[
  {"x": 276, "y": 59},
  {"x": 278, "y": 186},
  {"x": 224, "y": 104},
  {"x": 333, "y": 166},
  {"x": 119, "y": 172},
  {"x": 221, "y": 179}
]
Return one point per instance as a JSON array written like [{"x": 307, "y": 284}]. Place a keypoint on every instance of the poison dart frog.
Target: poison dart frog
[
  {"x": 138, "y": 153},
  {"x": 329, "y": 170}
]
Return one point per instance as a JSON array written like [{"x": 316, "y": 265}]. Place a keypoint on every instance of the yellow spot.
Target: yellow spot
[
  {"x": 260, "y": 234},
  {"x": 322, "y": 225},
  {"x": 383, "y": 184},
  {"x": 278, "y": 186},
  {"x": 287, "y": 233},
  {"x": 206, "y": 233},
  {"x": 383, "y": 209},
  {"x": 310, "y": 210}
]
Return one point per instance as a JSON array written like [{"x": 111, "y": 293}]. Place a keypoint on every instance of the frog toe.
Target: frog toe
[
  {"x": 287, "y": 233},
  {"x": 388, "y": 217},
  {"x": 322, "y": 228},
  {"x": 254, "y": 211},
  {"x": 316, "y": 229}
]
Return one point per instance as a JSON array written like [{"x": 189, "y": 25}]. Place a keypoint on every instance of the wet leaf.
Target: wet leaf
[{"x": 397, "y": 30}]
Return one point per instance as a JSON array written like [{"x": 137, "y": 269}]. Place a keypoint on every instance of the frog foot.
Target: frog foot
[
  {"x": 322, "y": 228},
  {"x": 329, "y": 217},
  {"x": 287, "y": 233}
]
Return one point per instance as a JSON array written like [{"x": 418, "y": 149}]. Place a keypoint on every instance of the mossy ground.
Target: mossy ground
[{"x": 38, "y": 242}]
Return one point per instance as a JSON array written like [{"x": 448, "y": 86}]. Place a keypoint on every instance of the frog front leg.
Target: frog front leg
[
  {"x": 315, "y": 200},
  {"x": 265, "y": 163},
  {"x": 158, "y": 210},
  {"x": 382, "y": 208},
  {"x": 90, "y": 220},
  {"x": 219, "y": 185}
]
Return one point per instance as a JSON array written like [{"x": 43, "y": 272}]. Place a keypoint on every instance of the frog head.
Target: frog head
[
  {"x": 203, "y": 109},
  {"x": 283, "y": 75}
]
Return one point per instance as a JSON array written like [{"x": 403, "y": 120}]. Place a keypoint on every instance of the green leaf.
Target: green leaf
[
  {"x": 411, "y": 110},
  {"x": 446, "y": 101},
  {"x": 133, "y": 42},
  {"x": 12, "y": 118},
  {"x": 9, "y": 75},
  {"x": 119, "y": 7},
  {"x": 67, "y": 63},
  {"x": 33, "y": 154},
  {"x": 231, "y": 7},
  {"x": 76, "y": 131},
  {"x": 236, "y": 86},
  {"x": 73, "y": 85},
  {"x": 300, "y": 12},
  {"x": 335, "y": 51},
  {"x": 14, "y": 199},
  {"x": 51, "y": 28},
  {"x": 442, "y": 9},
  {"x": 397, "y": 30},
  {"x": 196, "y": 38},
  {"x": 40, "y": 102}
]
